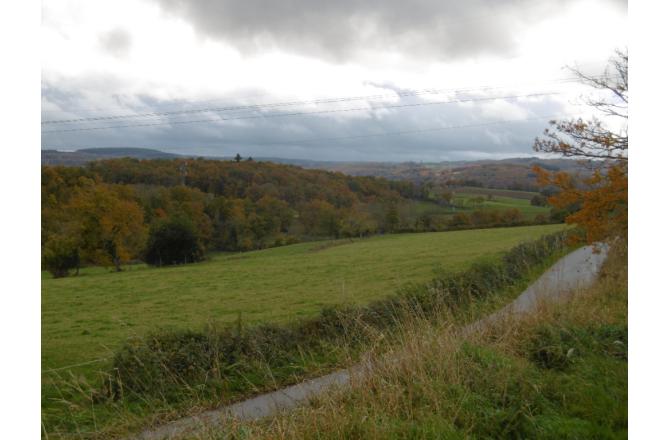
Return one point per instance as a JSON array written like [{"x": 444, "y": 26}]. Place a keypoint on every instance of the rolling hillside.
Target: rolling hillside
[{"x": 513, "y": 173}]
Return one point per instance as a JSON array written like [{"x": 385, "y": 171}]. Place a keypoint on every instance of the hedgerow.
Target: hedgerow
[{"x": 168, "y": 363}]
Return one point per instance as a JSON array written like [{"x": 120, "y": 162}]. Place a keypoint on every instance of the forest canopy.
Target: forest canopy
[
  {"x": 115, "y": 211},
  {"x": 173, "y": 211}
]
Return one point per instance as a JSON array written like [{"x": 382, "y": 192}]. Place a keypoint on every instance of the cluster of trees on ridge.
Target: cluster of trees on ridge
[{"x": 172, "y": 211}]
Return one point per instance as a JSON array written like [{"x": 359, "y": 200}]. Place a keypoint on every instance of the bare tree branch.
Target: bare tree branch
[{"x": 591, "y": 139}]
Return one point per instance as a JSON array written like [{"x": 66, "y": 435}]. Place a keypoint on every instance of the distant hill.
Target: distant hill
[
  {"x": 139, "y": 153},
  {"x": 85, "y": 155},
  {"x": 513, "y": 173}
]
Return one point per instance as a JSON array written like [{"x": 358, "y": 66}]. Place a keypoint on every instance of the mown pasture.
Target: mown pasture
[
  {"x": 85, "y": 318},
  {"x": 499, "y": 203}
]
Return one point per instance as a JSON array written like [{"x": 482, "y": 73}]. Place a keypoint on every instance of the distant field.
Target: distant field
[
  {"x": 502, "y": 203},
  {"x": 87, "y": 317},
  {"x": 527, "y": 195}
]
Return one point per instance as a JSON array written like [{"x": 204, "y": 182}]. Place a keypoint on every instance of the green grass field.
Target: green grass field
[
  {"x": 502, "y": 200},
  {"x": 502, "y": 203},
  {"x": 87, "y": 317},
  {"x": 511, "y": 193}
]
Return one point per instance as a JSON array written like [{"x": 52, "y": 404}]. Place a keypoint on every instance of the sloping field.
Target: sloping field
[
  {"x": 499, "y": 202},
  {"x": 87, "y": 317},
  {"x": 511, "y": 193}
]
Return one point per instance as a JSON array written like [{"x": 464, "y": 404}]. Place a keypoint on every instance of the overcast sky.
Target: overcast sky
[{"x": 393, "y": 80}]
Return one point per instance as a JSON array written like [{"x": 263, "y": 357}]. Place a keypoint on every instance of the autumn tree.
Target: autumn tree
[
  {"x": 359, "y": 223},
  {"x": 459, "y": 220},
  {"x": 108, "y": 224},
  {"x": 602, "y": 199},
  {"x": 321, "y": 218},
  {"x": 446, "y": 197}
]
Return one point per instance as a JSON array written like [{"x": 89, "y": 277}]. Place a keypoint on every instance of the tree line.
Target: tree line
[{"x": 173, "y": 211}]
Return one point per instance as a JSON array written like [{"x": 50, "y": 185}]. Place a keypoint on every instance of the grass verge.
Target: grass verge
[{"x": 560, "y": 373}]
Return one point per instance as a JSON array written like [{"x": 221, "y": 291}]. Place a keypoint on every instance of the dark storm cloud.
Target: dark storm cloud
[
  {"x": 339, "y": 30},
  {"x": 325, "y": 137}
]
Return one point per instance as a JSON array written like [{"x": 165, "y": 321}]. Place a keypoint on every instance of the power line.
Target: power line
[
  {"x": 274, "y": 115},
  {"x": 422, "y": 130},
  {"x": 247, "y": 107},
  {"x": 391, "y": 133},
  {"x": 402, "y": 93}
]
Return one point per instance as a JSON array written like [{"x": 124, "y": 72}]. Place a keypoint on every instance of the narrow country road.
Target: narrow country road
[{"x": 577, "y": 269}]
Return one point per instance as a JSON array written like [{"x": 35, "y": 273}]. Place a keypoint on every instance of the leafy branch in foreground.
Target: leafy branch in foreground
[{"x": 598, "y": 204}]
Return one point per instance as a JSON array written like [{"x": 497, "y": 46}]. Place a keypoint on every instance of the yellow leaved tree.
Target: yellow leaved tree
[{"x": 601, "y": 200}]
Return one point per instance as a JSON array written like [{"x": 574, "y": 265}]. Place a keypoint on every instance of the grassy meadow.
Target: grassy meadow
[
  {"x": 515, "y": 194},
  {"x": 501, "y": 200},
  {"x": 498, "y": 202},
  {"x": 86, "y": 317}
]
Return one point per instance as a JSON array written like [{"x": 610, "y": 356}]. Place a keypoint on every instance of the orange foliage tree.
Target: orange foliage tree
[
  {"x": 602, "y": 199},
  {"x": 109, "y": 224}
]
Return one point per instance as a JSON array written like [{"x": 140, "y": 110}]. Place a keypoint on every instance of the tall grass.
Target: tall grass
[{"x": 560, "y": 373}]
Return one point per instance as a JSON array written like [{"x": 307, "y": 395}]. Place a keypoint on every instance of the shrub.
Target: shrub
[
  {"x": 60, "y": 256},
  {"x": 539, "y": 200},
  {"x": 173, "y": 241}
]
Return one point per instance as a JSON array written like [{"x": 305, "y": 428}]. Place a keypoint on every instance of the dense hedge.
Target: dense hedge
[{"x": 166, "y": 362}]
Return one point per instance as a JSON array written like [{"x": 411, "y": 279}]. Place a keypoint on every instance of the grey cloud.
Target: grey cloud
[
  {"x": 116, "y": 42},
  {"x": 343, "y": 29},
  {"x": 319, "y": 137}
]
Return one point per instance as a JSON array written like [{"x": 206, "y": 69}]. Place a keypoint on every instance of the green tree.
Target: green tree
[
  {"x": 61, "y": 255},
  {"x": 391, "y": 218},
  {"x": 173, "y": 241}
]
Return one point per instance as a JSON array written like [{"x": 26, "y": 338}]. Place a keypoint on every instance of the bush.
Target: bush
[
  {"x": 173, "y": 241},
  {"x": 539, "y": 200},
  {"x": 60, "y": 256}
]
